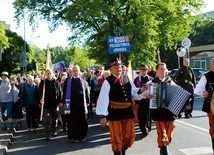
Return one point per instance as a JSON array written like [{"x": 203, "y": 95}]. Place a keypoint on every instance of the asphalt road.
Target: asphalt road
[{"x": 191, "y": 137}]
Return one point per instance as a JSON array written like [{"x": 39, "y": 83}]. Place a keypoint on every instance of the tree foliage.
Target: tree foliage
[
  {"x": 10, "y": 58},
  {"x": 3, "y": 37},
  {"x": 149, "y": 24},
  {"x": 203, "y": 30}
]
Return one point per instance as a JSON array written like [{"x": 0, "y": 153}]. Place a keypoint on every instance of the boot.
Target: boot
[
  {"x": 117, "y": 153},
  {"x": 164, "y": 150},
  {"x": 124, "y": 150},
  {"x": 4, "y": 126},
  {"x": 213, "y": 144}
]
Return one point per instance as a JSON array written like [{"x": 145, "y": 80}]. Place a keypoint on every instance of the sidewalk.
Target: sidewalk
[{"x": 6, "y": 137}]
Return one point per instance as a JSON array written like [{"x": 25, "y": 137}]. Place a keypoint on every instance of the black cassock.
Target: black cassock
[{"x": 77, "y": 120}]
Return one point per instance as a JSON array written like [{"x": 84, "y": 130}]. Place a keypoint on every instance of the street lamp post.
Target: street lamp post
[{"x": 23, "y": 55}]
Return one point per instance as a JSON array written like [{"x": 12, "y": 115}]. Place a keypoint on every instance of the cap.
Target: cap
[
  {"x": 5, "y": 73},
  {"x": 143, "y": 67},
  {"x": 115, "y": 62}
]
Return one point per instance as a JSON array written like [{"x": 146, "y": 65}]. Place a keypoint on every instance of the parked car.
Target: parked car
[{"x": 197, "y": 71}]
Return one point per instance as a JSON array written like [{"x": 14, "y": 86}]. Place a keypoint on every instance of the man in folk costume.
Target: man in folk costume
[
  {"x": 163, "y": 118},
  {"x": 205, "y": 88},
  {"x": 115, "y": 104},
  {"x": 76, "y": 98},
  {"x": 143, "y": 104},
  {"x": 52, "y": 99}
]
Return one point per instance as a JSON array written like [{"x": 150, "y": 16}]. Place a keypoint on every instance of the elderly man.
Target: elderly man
[
  {"x": 205, "y": 88},
  {"x": 186, "y": 79},
  {"x": 52, "y": 99},
  {"x": 115, "y": 104},
  {"x": 75, "y": 101}
]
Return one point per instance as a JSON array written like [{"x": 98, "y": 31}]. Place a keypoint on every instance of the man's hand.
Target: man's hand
[
  {"x": 42, "y": 101},
  {"x": 103, "y": 122},
  {"x": 205, "y": 94},
  {"x": 147, "y": 95},
  {"x": 144, "y": 88},
  {"x": 60, "y": 104},
  {"x": 185, "y": 81}
]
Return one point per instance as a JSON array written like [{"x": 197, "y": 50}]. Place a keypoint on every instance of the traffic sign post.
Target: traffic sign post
[
  {"x": 117, "y": 31},
  {"x": 23, "y": 61},
  {"x": 118, "y": 44}
]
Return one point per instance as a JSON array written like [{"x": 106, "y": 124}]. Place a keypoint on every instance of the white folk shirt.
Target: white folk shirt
[
  {"x": 103, "y": 99},
  {"x": 201, "y": 86}
]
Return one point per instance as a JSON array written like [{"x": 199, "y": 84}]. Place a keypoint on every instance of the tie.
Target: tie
[{"x": 120, "y": 81}]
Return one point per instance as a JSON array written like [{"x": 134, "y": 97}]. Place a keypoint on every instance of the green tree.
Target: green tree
[
  {"x": 3, "y": 37},
  {"x": 149, "y": 24},
  {"x": 203, "y": 30},
  {"x": 10, "y": 58}
]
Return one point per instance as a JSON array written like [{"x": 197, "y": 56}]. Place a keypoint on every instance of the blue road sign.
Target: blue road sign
[{"x": 118, "y": 44}]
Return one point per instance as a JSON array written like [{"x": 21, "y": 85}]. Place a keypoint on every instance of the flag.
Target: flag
[
  {"x": 158, "y": 53},
  {"x": 47, "y": 66},
  {"x": 48, "y": 59},
  {"x": 130, "y": 70}
]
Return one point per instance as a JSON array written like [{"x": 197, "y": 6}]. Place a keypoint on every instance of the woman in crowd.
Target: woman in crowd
[
  {"x": 8, "y": 96},
  {"x": 29, "y": 99},
  {"x": 17, "y": 108}
]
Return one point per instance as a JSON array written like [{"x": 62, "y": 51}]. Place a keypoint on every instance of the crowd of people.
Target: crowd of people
[{"x": 70, "y": 98}]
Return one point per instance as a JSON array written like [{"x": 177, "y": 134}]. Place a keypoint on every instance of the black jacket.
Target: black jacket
[{"x": 53, "y": 93}]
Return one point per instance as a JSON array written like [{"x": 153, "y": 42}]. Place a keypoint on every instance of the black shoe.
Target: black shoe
[
  {"x": 164, "y": 150},
  {"x": 117, "y": 153},
  {"x": 187, "y": 116},
  {"x": 179, "y": 115},
  {"x": 47, "y": 138},
  {"x": 144, "y": 134}
]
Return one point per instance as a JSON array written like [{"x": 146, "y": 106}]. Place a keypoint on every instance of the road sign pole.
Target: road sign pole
[{"x": 117, "y": 31}]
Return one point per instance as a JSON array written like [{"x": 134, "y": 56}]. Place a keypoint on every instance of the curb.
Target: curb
[{"x": 6, "y": 138}]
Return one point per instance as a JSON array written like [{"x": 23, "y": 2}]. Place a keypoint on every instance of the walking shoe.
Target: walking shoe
[
  {"x": 54, "y": 134},
  {"x": 34, "y": 130},
  {"x": 187, "y": 116},
  {"x": 84, "y": 139},
  {"x": 76, "y": 141},
  {"x": 47, "y": 137}
]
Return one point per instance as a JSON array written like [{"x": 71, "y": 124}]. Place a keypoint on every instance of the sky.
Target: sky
[{"x": 42, "y": 37}]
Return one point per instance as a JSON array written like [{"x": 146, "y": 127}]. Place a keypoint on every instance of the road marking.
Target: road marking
[
  {"x": 196, "y": 151},
  {"x": 193, "y": 126}
]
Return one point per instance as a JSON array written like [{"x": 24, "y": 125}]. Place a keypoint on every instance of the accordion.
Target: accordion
[{"x": 171, "y": 97}]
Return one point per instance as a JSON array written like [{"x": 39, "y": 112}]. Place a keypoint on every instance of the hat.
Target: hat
[
  {"x": 143, "y": 67},
  {"x": 97, "y": 72},
  {"x": 115, "y": 62},
  {"x": 5, "y": 73}
]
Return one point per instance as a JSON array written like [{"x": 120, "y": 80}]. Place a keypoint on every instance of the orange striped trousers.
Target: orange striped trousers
[
  {"x": 122, "y": 134},
  {"x": 164, "y": 131},
  {"x": 211, "y": 123}
]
